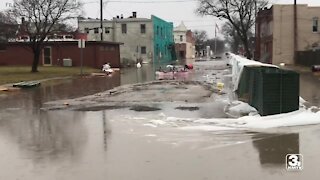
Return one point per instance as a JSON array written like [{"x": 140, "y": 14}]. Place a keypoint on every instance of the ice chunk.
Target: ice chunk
[{"x": 238, "y": 109}]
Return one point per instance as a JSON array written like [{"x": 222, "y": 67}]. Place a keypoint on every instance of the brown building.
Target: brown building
[
  {"x": 62, "y": 53},
  {"x": 184, "y": 42},
  {"x": 275, "y": 32},
  {"x": 264, "y": 36}
]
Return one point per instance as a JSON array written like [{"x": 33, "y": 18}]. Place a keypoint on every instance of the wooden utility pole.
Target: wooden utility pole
[
  {"x": 295, "y": 31},
  {"x": 101, "y": 19}
]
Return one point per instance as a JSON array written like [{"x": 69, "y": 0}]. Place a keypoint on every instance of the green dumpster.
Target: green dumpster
[{"x": 270, "y": 90}]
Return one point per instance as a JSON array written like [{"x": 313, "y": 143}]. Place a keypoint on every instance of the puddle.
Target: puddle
[
  {"x": 100, "y": 108},
  {"x": 184, "y": 108},
  {"x": 140, "y": 108}
]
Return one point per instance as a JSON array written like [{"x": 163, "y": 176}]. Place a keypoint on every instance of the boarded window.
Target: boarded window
[
  {"x": 124, "y": 28},
  {"x": 69, "y": 37},
  {"x": 3, "y": 46},
  {"x": 142, "y": 28},
  {"x": 96, "y": 30},
  {"x": 107, "y": 30},
  {"x": 3, "y": 42},
  {"x": 86, "y": 30},
  {"x": 143, "y": 50},
  {"x": 315, "y": 24}
]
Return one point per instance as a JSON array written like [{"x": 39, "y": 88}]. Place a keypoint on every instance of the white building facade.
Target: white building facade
[
  {"x": 184, "y": 42},
  {"x": 135, "y": 33}
]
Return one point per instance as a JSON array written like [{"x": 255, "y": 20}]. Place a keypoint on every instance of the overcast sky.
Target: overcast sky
[{"x": 180, "y": 10}]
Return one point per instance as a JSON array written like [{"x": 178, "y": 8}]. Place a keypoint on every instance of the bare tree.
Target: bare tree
[
  {"x": 43, "y": 17},
  {"x": 8, "y": 26},
  {"x": 231, "y": 36},
  {"x": 213, "y": 42},
  {"x": 239, "y": 13},
  {"x": 200, "y": 37}
]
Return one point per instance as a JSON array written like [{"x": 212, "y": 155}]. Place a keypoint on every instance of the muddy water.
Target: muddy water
[
  {"x": 64, "y": 145},
  {"x": 99, "y": 145},
  {"x": 309, "y": 88}
]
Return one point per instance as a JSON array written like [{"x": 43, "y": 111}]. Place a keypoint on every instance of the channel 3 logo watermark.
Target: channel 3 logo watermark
[{"x": 294, "y": 162}]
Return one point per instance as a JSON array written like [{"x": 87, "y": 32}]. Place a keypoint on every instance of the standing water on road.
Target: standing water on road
[{"x": 141, "y": 139}]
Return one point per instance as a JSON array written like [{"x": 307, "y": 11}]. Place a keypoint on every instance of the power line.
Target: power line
[{"x": 143, "y": 2}]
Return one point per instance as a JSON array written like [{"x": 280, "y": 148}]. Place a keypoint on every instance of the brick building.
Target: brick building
[
  {"x": 275, "y": 32},
  {"x": 184, "y": 42},
  {"x": 54, "y": 53}
]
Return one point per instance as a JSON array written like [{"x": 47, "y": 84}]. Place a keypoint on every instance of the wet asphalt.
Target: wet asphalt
[{"x": 130, "y": 142}]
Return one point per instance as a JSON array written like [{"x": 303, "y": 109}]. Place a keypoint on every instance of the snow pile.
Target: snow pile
[
  {"x": 252, "y": 121},
  {"x": 206, "y": 128},
  {"x": 238, "y": 109},
  {"x": 297, "y": 118},
  {"x": 245, "y": 118}
]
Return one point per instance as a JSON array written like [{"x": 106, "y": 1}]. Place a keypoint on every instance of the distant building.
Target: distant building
[
  {"x": 275, "y": 32},
  {"x": 147, "y": 40},
  {"x": 7, "y": 31},
  {"x": 184, "y": 42},
  {"x": 62, "y": 53},
  {"x": 60, "y": 48}
]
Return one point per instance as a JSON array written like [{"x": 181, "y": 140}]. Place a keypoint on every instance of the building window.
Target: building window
[
  {"x": 158, "y": 30},
  {"x": 96, "y": 30},
  {"x": 315, "y": 24},
  {"x": 124, "y": 28},
  {"x": 181, "y": 38},
  {"x": 68, "y": 37},
  {"x": 165, "y": 33},
  {"x": 86, "y": 30},
  {"x": 165, "y": 51},
  {"x": 143, "y": 50},
  {"x": 107, "y": 30},
  {"x": 142, "y": 28},
  {"x": 3, "y": 42},
  {"x": 157, "y": 50}
]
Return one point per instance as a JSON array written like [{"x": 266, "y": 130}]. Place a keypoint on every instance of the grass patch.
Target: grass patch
[{"x": 13, "y": 74}]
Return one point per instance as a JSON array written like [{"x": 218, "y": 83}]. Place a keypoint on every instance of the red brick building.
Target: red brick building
[
  {"x": 184, "y": 42},
  {"x": 54, "y": 53},
  {"x": 264, "y": 36}
]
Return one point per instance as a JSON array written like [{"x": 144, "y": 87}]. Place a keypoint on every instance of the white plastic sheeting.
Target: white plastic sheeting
[{"x": 238, "y": 63}]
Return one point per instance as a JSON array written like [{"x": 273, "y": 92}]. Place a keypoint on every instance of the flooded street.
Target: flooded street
[
  {"x": 160, "y": 140},
  {"x": 309, "y": 88}
]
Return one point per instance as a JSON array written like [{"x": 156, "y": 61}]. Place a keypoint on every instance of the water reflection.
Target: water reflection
[
  {"x": 33, "y": 99},
  {"x": 309, "y": 88},
  {"x": 106, "y": 129},
  {"x": 273, "y": 148},
  {"x": 137, "y": 75},
  {"x": 47, "y": 136}
]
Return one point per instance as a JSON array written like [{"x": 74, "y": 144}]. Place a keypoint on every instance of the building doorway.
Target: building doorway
[
  {"x": 182, "y": 54},
  {"x": 47, "y": 59}
]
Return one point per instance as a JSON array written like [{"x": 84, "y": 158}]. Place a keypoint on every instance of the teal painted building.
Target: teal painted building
[{"x": 163, "y": 42}]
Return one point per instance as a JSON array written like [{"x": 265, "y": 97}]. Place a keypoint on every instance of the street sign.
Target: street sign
[{"x": 81, "y": 43}]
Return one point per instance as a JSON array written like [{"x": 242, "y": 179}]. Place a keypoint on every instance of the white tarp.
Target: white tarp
[{"x": 238, "y": 63}]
